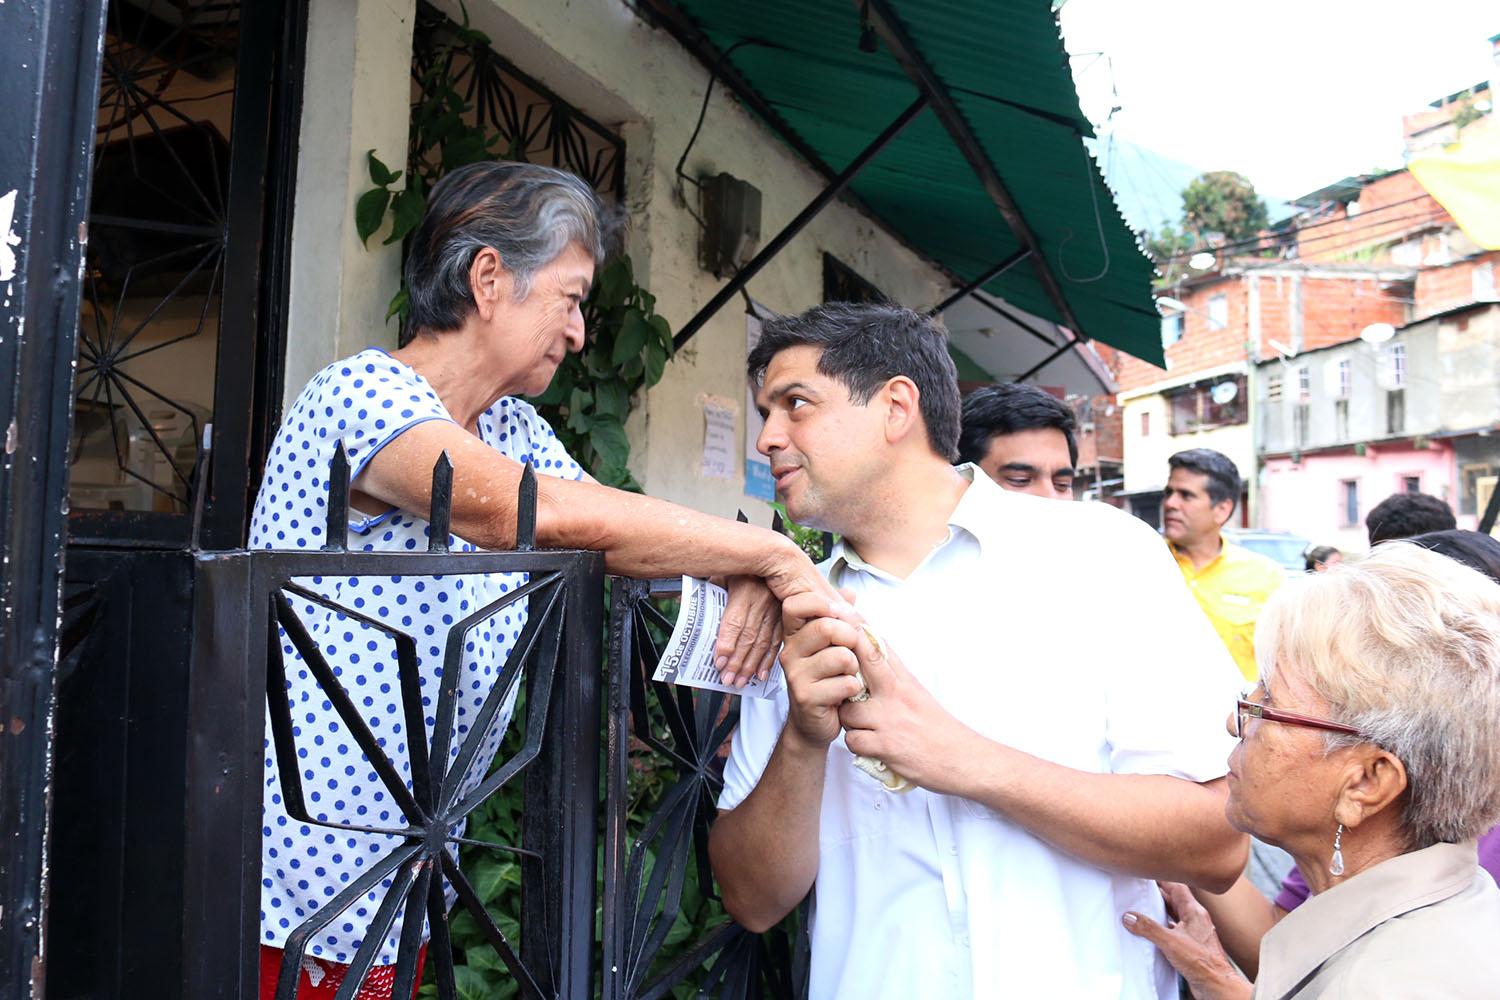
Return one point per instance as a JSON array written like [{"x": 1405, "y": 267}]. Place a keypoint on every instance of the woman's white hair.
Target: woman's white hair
[{"x": 1405, "y": 646}]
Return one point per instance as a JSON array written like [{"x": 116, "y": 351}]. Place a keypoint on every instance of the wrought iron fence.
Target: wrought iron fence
[
  {"x": 660, "y": 748},
  {"x": 656, "y": 865},
  {"x": 248, "y": 604}
]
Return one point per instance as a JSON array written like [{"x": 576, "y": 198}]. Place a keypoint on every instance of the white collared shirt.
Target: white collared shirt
[{"x": 1063, "y": 630}]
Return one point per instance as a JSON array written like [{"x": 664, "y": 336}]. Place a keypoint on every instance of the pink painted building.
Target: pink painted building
[{"x": 1326, "y": 495}]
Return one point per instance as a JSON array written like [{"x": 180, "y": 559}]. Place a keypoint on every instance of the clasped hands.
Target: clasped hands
[{"x": 901, "y": 723}]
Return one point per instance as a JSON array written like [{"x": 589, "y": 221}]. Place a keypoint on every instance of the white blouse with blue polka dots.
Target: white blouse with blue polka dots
[{"x": 366, "y": 401}]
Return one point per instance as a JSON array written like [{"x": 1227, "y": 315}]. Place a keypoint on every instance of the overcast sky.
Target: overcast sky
[{"x": 1295, "y": 94}]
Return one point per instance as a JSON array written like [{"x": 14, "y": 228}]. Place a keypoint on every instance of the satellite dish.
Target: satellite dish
[
  {"x": 1377, "y": 333},
  {"x": 1224, "y": 393},
  {"x": 1202, "y": 261}
]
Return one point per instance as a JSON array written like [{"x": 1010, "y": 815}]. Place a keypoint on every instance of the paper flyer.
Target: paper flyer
[{"x": 689, "y": 656}]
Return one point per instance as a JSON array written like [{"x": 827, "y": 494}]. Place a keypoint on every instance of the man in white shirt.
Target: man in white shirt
[{"x": 1041, "y": 676}]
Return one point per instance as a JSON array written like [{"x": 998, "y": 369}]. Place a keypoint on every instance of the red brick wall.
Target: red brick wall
[
  {"x": 1440, "y": 288},
  {"x": 1391, "y": 209},
  {"x": 1333, "y": 310}
]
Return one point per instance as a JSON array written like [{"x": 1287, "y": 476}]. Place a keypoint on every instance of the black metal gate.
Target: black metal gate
[{"x": 155, "y": 645}]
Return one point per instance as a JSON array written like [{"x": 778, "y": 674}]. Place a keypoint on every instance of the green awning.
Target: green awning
[{"x": 1000, "y": 67}]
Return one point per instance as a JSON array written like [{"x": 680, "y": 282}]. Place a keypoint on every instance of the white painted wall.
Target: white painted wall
[
  {"x": 1146, "y": 455},
  {"x": 600, "y": 57},
  {"x": 356, "y": 97}
]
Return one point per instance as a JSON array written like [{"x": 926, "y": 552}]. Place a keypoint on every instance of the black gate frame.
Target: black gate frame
[{"x": 49, "y": 66}]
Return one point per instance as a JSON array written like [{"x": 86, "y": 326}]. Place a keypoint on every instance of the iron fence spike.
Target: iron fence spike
[
  {"x": 526, "y": 510},
  {"x": 440, "y": 505},
  {"x": 336, "y": 528}
]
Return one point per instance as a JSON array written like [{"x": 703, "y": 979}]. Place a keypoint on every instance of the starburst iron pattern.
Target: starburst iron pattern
[
  {"x": 439, "y": 798},
  {"x": 157, "y": 236},
  {"x": 657, "y": 867},
  {"x": 433, "y": 804},
  {"x": 525, "y": 120}
]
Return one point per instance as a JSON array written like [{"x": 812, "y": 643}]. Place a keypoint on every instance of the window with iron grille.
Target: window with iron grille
[
  {"x": 1171, "y": 329},
  {"x": 1304, "y": 385},
  {"x": 1344, "y": 380},
  {"x": 1218, "y": 311},
  {"x": 1349, "y": 503},
  {"x": 1395, "y": 366},
  {"x": 1300, "y": 416},
  {"x": 1208, "y": 404}
]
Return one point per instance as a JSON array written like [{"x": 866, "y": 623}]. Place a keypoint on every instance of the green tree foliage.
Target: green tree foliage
[
  {"x": 1222, "y": 201},
  {"x": 1167, "y": 242}
]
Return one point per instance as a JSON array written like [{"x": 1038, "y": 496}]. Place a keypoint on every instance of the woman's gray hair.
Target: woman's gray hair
[
  {"x": 527, "y": 213},
  {"x": 1404, "y": 646}
]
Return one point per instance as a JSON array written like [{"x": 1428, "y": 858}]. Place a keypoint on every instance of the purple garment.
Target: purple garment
[{"x": 1294, "y": 890}]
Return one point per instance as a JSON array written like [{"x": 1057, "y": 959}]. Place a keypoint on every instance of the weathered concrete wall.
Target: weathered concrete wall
[
  {"x": 600, "y": 57},
  {"x": 356, "y": 96}
]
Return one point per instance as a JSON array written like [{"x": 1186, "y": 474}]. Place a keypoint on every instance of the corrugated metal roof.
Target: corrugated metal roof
[{"x": 1002, "y": 65}]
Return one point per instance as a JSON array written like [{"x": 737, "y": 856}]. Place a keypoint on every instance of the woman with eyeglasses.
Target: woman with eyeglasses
[{"x": 1370, "y": 752}]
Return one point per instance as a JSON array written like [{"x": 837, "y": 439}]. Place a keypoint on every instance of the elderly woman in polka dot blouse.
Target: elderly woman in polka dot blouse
[{"x": 496, "y": 275}]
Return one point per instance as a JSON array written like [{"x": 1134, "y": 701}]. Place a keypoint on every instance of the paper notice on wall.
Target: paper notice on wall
[
  {"x": 718, "y": 441},
  {"x": 758, "y": 482},
  {"x": 689, "y": 656}
]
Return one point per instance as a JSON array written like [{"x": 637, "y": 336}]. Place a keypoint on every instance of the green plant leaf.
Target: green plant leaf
[
  {"x": 488, "y": 877},
  {"x": 663, "y": 332},
  {"x": 612, "y": 399},
  {"x": 631, "y": 339},
  {"x": 484, "y": 956},
  {"x": 471, "y": 983},
  {"x": 609, "y": 440},
  {"x": 596, "y": 362},
  {"x": 655, "y": 364},
  {"x": 406, "y": 212},
  {"x": 611, "y": 282},
  {"x": 380, "y": 173},
  {"x": 399, "y": 304},
  {"x": 369, "y": 211}
]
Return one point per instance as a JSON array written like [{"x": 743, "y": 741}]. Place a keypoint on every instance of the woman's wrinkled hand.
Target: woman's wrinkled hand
[
  {"x": 750, "y": 632},
  {"x": 1191, "y": 944}
]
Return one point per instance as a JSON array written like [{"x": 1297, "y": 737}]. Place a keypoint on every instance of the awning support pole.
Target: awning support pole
[
  {"x": 1018, "y": 321},
  {"x": 1049, "y": 359},
  {"x": 888, "y": 27},
  {"x": 771, "y": 249},
  {"x": 985, "y": 278}
]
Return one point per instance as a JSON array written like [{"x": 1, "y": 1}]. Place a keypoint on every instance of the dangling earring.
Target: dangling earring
[{"x": 1336, "y": 865}]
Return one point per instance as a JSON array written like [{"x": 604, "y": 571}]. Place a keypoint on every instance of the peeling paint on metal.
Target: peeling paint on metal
[{"x": 8, "y": 237}]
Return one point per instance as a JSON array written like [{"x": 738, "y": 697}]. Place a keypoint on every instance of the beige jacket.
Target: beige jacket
[{"x": 1421, "y": 926}]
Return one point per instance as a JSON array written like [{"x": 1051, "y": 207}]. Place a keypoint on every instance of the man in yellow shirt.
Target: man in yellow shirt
[{"x": 1231, "y": 583}]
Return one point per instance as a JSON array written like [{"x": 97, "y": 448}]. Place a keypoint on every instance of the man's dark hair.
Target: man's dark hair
[
  {"x": 1474, "y": 550},
  {"x": 1224, "y": 481},
  {"x": 1402, "y": 515},
  {"x": 865, "y": 345},
  {"x": 1007, "y": 409}
]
